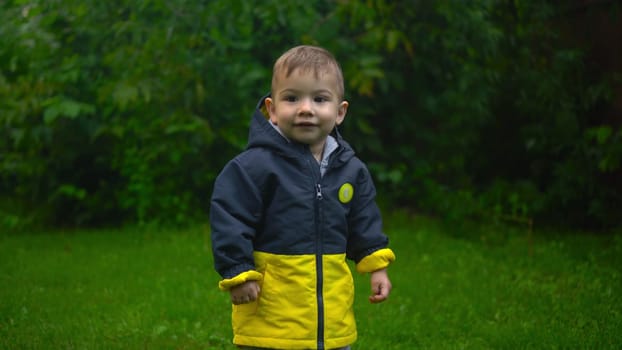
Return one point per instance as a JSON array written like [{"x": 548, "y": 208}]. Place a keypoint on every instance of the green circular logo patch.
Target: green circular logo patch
[{"x": 346, "y": 191}]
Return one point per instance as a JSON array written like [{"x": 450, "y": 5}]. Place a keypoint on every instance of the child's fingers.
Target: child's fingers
[
  {"x": 374, "y": 299},
  {"x": 245, "y": 293},
  {"x": 380, "y": 294},
  {"x": 243, "y": 299},
  {"x": 249, "y": 294}
]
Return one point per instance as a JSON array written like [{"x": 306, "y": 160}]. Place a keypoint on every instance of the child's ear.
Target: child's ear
[
  {"x": 341, "y": 112},
  {"x": 269, "y": 103}
]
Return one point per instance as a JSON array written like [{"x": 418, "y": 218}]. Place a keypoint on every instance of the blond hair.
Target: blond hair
[{"x": 308, "y": 58}]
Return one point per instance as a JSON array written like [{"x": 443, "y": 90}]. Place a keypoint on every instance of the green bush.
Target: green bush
[{"x": 125, "y": 112}]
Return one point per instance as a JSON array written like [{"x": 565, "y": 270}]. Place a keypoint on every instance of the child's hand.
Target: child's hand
[
  {"x": 244, "y": 293},
  {"x": 380, "y": 286}
]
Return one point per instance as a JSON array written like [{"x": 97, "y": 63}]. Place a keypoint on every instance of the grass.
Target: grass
[{"x": 480, "y": 287}]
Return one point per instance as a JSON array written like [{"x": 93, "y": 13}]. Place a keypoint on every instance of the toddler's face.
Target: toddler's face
[{"x": 306, "y": 108}]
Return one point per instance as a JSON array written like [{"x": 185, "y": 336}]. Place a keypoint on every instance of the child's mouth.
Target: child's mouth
[{"x": 305, "y": 124}]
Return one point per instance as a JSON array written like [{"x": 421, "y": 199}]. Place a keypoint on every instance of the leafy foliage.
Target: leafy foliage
[{"x": 125, "y": 112}]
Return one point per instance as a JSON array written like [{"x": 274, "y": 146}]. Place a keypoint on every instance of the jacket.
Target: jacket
[{"x": 277, "y": 220}]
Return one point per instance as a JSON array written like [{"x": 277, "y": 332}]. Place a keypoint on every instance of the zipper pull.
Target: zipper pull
[{"x": 318, "y": 191}]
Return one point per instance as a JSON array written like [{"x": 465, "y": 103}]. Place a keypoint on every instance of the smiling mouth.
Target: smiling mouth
[{"x": 305, "y": 124}]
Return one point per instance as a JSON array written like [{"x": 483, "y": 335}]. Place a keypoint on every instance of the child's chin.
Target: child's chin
[{"x": 308, "y": 139}]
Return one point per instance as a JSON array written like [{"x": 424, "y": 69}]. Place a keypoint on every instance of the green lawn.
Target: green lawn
[{"x": 481, "y": 287}]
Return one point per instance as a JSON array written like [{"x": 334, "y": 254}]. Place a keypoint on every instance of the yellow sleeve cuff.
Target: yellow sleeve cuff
[
  {"x": 251, "y": 275},
  {"x": 376, "y": 261}
]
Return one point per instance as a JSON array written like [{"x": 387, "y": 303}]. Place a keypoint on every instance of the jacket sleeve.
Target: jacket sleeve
[
  {"x": 235, "y": 213},
  {"x": 367, "y": 244}
]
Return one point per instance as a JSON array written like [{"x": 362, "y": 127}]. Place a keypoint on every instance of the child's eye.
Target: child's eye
[
  {"x": 320, "y": 99},
  {"x": 290, "y": 98}
]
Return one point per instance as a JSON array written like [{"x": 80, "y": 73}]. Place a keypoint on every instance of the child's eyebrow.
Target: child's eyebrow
[
  {"x": 294, "y": 91},
  {"x": 323, "y": 91}
]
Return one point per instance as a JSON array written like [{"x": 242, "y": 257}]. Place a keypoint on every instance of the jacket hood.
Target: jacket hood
[{"x": 263, "y": 134}]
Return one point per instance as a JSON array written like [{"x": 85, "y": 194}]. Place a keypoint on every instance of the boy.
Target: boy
[{"x": 289, "y": 210}]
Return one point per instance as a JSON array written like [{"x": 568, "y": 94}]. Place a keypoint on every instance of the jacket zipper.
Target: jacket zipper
[
  {"x": 319, "y": 266},
  {"x": 318, "y": 253}
]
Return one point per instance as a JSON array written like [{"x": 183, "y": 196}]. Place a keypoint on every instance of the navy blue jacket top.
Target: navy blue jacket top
[{"x": 272, "y": 198}]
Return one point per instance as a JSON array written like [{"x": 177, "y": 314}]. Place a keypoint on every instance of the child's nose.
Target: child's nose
[{"x": 305, "y": 106}]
